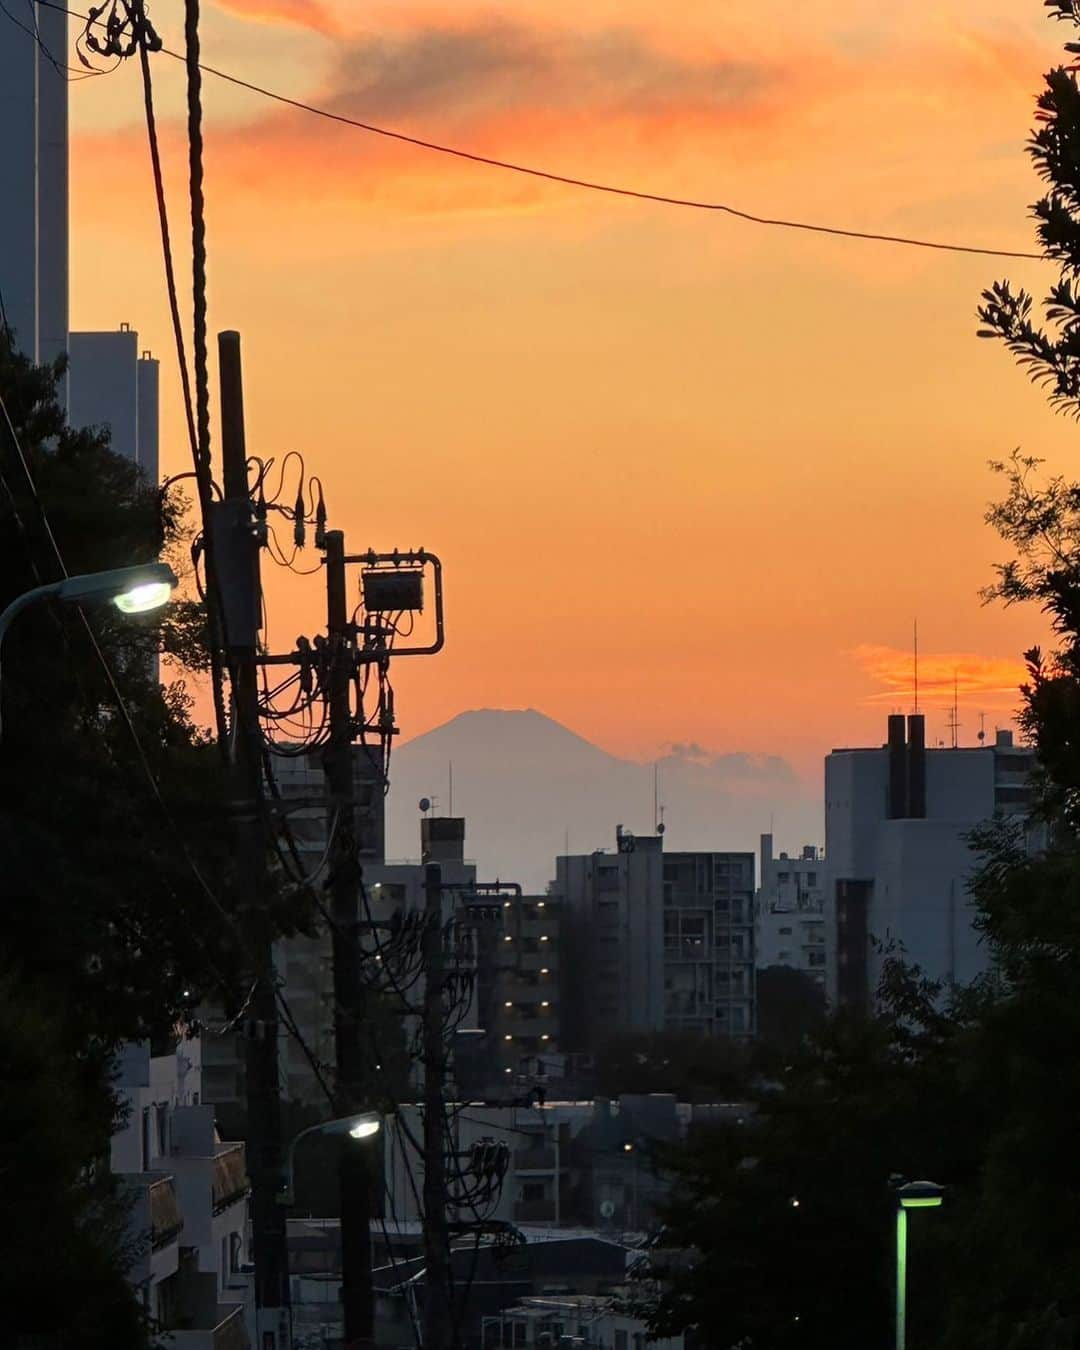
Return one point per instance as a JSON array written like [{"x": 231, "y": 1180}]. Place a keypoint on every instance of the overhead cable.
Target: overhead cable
[{"x": 587, "y": 184}]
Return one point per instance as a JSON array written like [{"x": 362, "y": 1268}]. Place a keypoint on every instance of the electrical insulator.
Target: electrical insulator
[
  {"x": 299, "y": 530},
  {"x": 320, "y": 521}
]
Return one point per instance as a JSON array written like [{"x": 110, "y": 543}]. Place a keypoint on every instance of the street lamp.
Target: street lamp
[
  {"x": 362, "y": 1125},
  {"x": 133, "y": 590},
  {"x": 911, "y": 1195}
]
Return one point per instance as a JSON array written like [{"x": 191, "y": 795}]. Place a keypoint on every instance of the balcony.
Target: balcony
[
  {"x": 534, "y": 1160},
  {"x": 230, "y": 1180},
  {"x": 166, "y": 1221},
  {"x": 228, "y": 1332},
  {"x": 687, "y": 949}
]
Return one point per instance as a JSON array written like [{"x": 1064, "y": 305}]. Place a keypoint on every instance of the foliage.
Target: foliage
[
  {"x": 790, "y": 1006},
  {"x": 971, "y": 1087},
  {"x": 119, "y": 893},
  {"x": 694, "y": 1069}
]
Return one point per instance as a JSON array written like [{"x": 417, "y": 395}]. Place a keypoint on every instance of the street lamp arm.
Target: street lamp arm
[{"x": 22, "y": 602}]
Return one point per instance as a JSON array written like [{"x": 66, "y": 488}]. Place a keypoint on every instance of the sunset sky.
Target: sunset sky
[{"x": 691, "y": 479}]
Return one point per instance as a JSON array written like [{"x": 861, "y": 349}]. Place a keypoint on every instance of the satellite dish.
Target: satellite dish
[
  {"x": 424, "y": 803},
  {"x": 607, "y": 1208}
]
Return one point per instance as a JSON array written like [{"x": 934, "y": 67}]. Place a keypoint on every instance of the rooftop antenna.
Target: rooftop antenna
[
  {"x": 954, "y": 715},
  {"x": 982, "y": 728},
  {"x": 451, "y": 794},
  {"x": 916, "y": 665}
]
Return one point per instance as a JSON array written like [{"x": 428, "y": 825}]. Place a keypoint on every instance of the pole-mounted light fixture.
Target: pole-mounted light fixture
[
  {"x": 361, "y": 1125},
  {"x": 133, "y": 590},
  {"x": 909, "y": 1195}
]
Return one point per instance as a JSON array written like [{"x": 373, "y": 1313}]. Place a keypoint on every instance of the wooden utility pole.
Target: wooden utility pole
[
  {"x": 437, "y": 1310},
  {"x": 237, "y": 550},
  {"x": 355, "y": 1170}
]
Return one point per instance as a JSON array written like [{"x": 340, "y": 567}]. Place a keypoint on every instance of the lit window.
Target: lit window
[
  {"x": 545, "y": 1037},
  {"x": 508, "y": 1037},
  {"x": 543, "y": 1003},
  {"x": 508, "y": 938},
  {"x": 540, "y": 904},
  {"x": 544, "y": 970},
  {"x": 543, "y": 937},
  {"x": 508, "y": 1004}
]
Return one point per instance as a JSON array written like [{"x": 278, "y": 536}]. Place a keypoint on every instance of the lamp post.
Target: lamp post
[
  {"x": 133, "y": 590},
  {"x": 362, "y": 1125},
  {"x": 911, "y": 1195}
]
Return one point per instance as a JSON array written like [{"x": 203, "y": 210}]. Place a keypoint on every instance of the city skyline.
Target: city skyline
[{"x": 653, "y": 412}]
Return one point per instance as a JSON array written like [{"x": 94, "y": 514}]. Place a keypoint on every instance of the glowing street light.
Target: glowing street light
[
  {"x": 361, "y": 1125},
  {"x": 911, "y": 1195},
  {"x": 133, "y": 590}
]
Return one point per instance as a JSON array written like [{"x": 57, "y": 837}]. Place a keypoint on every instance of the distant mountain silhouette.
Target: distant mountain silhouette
[{"x": 524, "y": 782}]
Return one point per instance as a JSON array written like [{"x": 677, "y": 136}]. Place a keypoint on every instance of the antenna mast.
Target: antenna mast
[{"x": 916, "y": 665}]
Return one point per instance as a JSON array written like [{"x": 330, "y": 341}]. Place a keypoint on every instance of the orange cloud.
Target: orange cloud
[
  {"x": 309, "y": 14},
  {"x": 940, "y": 674}
]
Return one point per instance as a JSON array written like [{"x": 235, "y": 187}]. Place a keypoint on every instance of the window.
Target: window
[
  {"x": 782, "y": 877},
  {"x": 811, "y": 878},
  {"x": 621, "y": 1341},
  {"x": 532, "y": 1191},
  {"x": 607, "y": 878},
  {"x": 817, "y": 958},
  {"x": 784, "y": 932}
]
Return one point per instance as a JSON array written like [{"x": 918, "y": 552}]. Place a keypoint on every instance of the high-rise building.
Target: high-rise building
[
  {"x": 107, "y": 384},
  {"x": 897, "y": 821},
  {"x": 789, "y": 912},
  {"x": 655, "y": 942},
  {"x": 34, "y": 174},
  {"x": 517, "y": 995},
  {"x": 113, "y": 387}
]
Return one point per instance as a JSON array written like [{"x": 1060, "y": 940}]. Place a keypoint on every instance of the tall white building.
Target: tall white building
[
  {"x": 34, "y": 175},
  {"x": 897, "y": 818},
  {"x": 655, "y": 941},
  {"x": 789, "y": 912}
]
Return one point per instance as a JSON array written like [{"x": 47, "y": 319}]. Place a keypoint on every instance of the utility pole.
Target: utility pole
[
  {"x": 436, "y": 1234},
  {"x": 237, "y": 551},
  {"x": 355, "y": 1171}
]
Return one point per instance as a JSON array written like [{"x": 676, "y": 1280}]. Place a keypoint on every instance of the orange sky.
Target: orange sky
[{"x": 691, "y": 479}]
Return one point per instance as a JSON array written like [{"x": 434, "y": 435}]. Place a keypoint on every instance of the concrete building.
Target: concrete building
[
  {"x": 518, "y": 945},
  {"x": 585, "y": 1164},
  {"x": 304, "y": 963},
  {"x": 111, "y": 386},
  {"x": 897, "y": 818},
  {"x": 656, "y": 942},
  {"x": 189, "y": 1214},
  {"x": 583, "y": 1320},
  {"x": 34, "y": 172},
  {"x": 789, "y": 912}
]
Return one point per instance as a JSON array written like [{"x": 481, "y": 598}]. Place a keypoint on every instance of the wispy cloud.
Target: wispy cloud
[
  {"x": 310, "y": 14},
  {"x": 996, "y": 679}
]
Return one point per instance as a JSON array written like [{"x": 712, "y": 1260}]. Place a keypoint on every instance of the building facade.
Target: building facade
[
  {"x": 112, "y": 386},
  {"x": 789, "y": 912},
  {"x": 34, "y": 172},
  {"x": 656, "y": 941},
  {"x": 189, "y": 1192},
  {"x": 897, "y": 820}
]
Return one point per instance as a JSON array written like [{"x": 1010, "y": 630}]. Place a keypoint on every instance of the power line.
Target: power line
[
  {"x": 140, "y": 750},
  {"x": 587, "y": 184}
]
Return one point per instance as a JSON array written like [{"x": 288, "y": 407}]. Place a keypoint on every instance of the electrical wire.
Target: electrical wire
[
  {"x": 591, "y": 185},
  {"x": 136, "y": 740}
]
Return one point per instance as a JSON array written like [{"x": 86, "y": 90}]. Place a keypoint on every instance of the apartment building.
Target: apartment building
[{"x": 656, "y": 941}]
